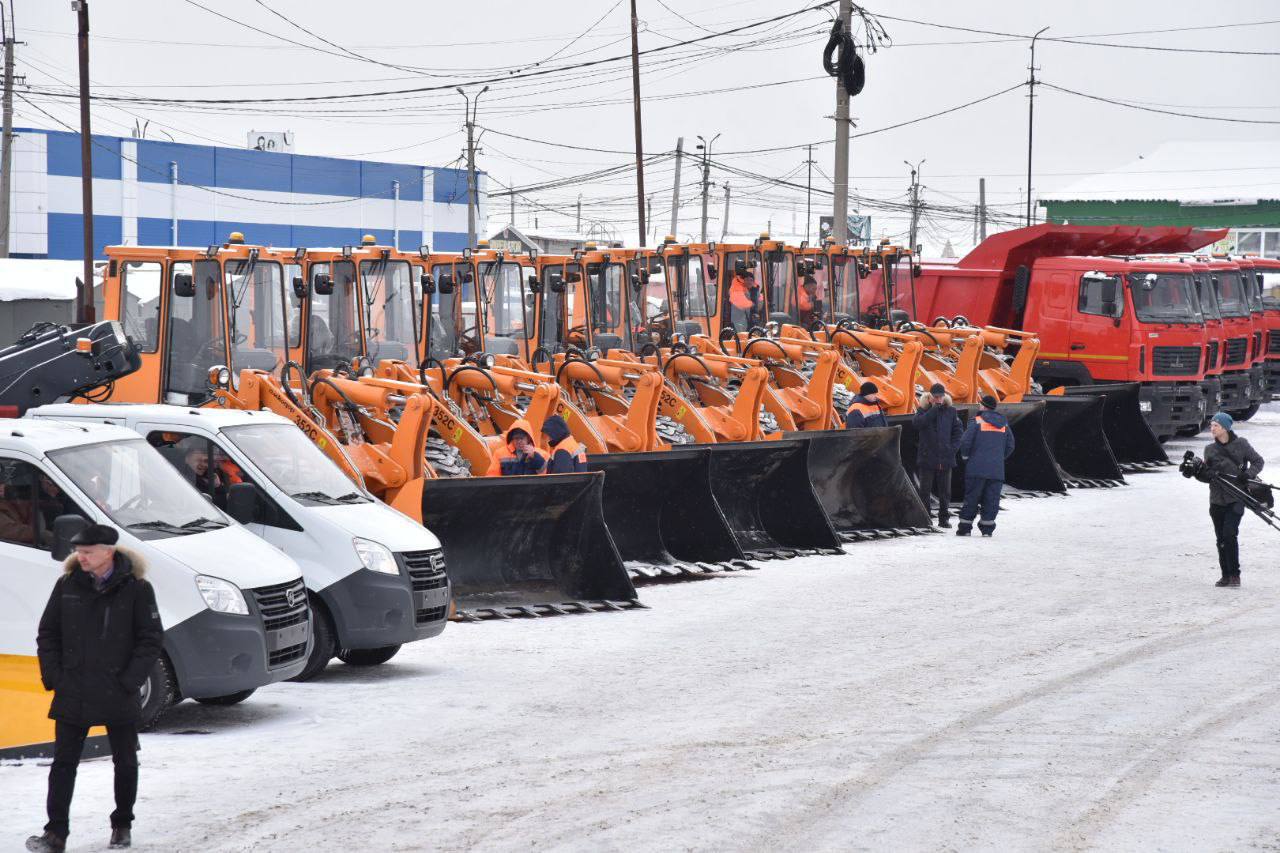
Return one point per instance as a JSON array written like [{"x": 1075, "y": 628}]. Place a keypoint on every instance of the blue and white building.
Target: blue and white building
[{"x": 157, "y": 193}]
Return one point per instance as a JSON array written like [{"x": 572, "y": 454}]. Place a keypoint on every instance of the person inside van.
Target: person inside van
[{"x": 198, "y": 473}]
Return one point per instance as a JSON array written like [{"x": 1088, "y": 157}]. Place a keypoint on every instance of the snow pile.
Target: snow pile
[
  {"x": 1074, "y": 683},
  {"x": 24, "y": 278}
]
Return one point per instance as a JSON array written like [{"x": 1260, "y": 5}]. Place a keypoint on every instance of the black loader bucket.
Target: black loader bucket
[
  {"x": 1073, "y": 429},
  {"x": 859, "y": 477},
  {"x": 1032, "y": 470},
  {"x": 527, "y": 546},
  {"x": 767, "y": 496},
  {"x": 1134, "y": 445},
  {"x": 664, "y": 517}
]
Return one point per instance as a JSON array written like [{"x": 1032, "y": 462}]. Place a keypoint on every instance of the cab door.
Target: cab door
[{"x": 1099, "y": 325}]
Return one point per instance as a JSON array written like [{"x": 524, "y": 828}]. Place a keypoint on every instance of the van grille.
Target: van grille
[
  {"x": 1237, "y": 350},
  {"x": 1211, "y": 356},
  {"x": 1175, "y": 361},
  {"x": 277, "y": 613},
  {"x": 426, "y": 570}
]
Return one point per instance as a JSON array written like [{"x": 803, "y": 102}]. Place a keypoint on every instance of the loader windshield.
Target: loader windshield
[
  {"x": 502, "y": 284},
  {"x": 256, "y": 310},
  {"x": 843, "y": 286},
  {"x": 562, "y": 310},
  {"x": 1232, "y": 301},
  {"x": 780, "y": 286},
  {"x": 1164, "y": 298},
  {"x": 608, "y": 290},
  {"x": 333, "y": 325},
  {"x": 196, "y": 339},
  {"x": 138, "y": 490},
  {"x": 390, "y": 310},
  {"x": 291, "y": 461}
]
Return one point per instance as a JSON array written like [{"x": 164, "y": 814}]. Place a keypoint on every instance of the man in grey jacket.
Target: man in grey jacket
[{"x": 1233, "y": 458}]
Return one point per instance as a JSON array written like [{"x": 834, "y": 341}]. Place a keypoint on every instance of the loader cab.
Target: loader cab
[
  {"x": 778, "y": 280},
  {"x": 332, "y": 332},
  {"x": 651, "y": 314},
  {"x": 450, "y": 325},
  {"x": 845, "y": 268},
  {"x": 615, "y": 301},
  {"x": 561, "y": 313},
  {"x": 688, "y": 293},
  {"x": 735, "y": 261},
  {"x": 389, "y": 304},
  {"x": 507, "y": 303}
]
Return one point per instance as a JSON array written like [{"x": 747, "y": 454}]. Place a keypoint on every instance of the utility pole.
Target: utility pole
[
  {"x": 915, "y": 201},
  {"x": 84, "y": 296},
  {"x": 982, "y": 208},
  {"x": 513, "y": 204},
  {"x": 6, "y": 145},
  {"x": 472, "y": 202},
  {"x": 975, "y": 225},
  {"x": 635, "y": 104},
  {"x": 705, "y": 147},
  {"x": 648, "y": 211},
  {"x": 808, "y": 195},
  {"x": 1031, "y": 116},
  {"x": 577, "y": 222},
  {"x": 675, "y": 189},
  {"x": 840, "y": 223},
  {"x": 724, "y": 232}
]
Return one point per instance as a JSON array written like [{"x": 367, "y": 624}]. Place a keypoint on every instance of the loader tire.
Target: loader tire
[
  {"x": 367, "y": 657},
  {"x": 768, "y": 422},
  {"x": 841, "y": 398},
  {"x": 447, "y": 460},
  {"x": 672, "y": 431}
]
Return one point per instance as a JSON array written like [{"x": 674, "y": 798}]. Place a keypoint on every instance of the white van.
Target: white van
[
  {"x": 234, "y": 608},
  {"x": 377, "y": 578}
]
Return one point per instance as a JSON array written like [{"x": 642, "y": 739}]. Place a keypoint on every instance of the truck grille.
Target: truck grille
[
  {"x": 283, "y": 606},
  {"x": 1257, "y": 344},
  {"x": 1211, "y": 356},
  {"x": 1237, "y": 350},
  {"x": 1273, "y": 343},
  {"x": 1175, "y": 361},
  {"x": 426, "y": 570}
]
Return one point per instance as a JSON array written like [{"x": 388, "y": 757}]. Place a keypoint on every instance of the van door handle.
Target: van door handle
[{"x": 1077, "y": 346}]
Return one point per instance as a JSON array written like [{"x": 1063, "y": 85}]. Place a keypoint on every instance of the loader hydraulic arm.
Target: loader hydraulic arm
[{"x": 50, "y": 362}]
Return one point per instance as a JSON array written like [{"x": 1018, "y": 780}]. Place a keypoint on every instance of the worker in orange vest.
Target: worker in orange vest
[
  {"x": 866, "y": 410},
  {"x": 809, "y": 302},
  {"x": 743, "y": 296},
  {"x": 568, "y": 456},
  {"x": 517, "y": 455}
]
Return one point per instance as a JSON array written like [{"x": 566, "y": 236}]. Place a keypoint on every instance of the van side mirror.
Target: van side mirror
[
  {"x": 65, "y": 527},
  {"x": 184, "y": 285},
  {"x": 242, "y": 502},
  {"x": 322, "y": 284},
  {"x": 299, "y": 287}
]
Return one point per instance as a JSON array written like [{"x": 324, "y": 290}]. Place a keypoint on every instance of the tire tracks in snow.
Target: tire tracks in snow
[{"x": 809, "y": 827}]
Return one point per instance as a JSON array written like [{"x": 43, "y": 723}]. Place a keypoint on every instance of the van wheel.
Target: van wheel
[
  {"x": 324, "y": 642},
  {"x": 157, "y": 693},
  {"x": 1245, "y": 414},
  {"x": 229, "y": 699},
  {"x": 367, "y": 657}
]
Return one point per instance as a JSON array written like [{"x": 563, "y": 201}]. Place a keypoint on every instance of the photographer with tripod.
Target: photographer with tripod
[{"x": 1229, "y": 464}]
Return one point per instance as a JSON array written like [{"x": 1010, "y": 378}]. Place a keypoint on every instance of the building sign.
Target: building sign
[
  {"x": 859, "y": 229},
  {"x": 260, "y": 140}
]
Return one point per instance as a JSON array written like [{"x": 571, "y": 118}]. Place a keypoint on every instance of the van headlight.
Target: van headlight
[
  {"x": 375, "y": 556},
  {"x": 221, "y": 596}
]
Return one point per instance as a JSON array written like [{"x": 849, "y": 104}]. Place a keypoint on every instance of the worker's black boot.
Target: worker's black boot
[
  {"x": 987, "y": 527},
  {"x": 120, "y": 837},
  {"x": 1233, "y": 579},
  {"x": 47, "y": 843},
  {"x": 964, "y": 528},
  {"x": 944, "y": 523}
]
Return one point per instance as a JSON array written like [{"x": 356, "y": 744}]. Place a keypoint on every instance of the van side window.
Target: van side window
[
  {"x": 1091, "y": 295},
  {"x": 29, "y": 503},
  {"x": 201, "y": 462}
]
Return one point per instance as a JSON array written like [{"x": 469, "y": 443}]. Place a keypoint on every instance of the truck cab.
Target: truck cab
[
  {"x": 376, "y": 579},
  {"x": 1266, "y": 276},
  {"x": 1258, "y": 342},
  {"x": 1240, "y": 393},
  {"x": 234, "y": 608}
]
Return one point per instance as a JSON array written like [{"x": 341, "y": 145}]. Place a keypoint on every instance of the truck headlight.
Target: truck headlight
[
  {"x": 1144, "y": 406},
  {"x": 375, "y": 556},
  {"x": 221, "y": 596}
]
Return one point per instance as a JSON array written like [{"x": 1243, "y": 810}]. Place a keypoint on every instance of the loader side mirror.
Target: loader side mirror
[
  {"x": 712, "y": 272},
  {"x": 636, "y": 283},
  {"x": 916, "y": 271},
  {"x": 535, "y": 284},
  {"x": 644, "y": 276},
  {"x": 428, "y": 282},
  {"x": 184, "y": 285},
  {"x": 445, "y": 282},
  {"x": 299, "y": 287},
  {"x": 556, "y": 284},
  {"x": 574, "y": 277},
  {"x": 242, "y": 502},
  {"x": 64, "y": 528},
  {"x": 322, "y": 284}
]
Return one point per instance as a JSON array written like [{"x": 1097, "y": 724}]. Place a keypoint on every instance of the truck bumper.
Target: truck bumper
[
  {"x": 1271, "y": 374},
  {"x": 1171, "y": 406},
  {"x": 1211, "y": 389},
  {"x": 1235, "y": 391},
  {"x": 372, "y": 609},
  {"x": 1258, "y": 384},
  {"x": 217, "y": 654}
]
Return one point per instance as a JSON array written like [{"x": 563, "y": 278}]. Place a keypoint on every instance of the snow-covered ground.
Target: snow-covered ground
[{"x": 1074, "y": 683}]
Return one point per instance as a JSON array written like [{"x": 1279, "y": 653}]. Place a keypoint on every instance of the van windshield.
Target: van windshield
[
  {"x": 294, "y": 464},
  {"x": 1164, "y": 298},
  {"x": 138, "y": 490}
]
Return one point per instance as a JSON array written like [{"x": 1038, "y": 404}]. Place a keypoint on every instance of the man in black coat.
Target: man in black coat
[
  {"x": 98, "y": 639},
  {"x": 1232, "y": 458},
  {"x": 938, "y": 434}
]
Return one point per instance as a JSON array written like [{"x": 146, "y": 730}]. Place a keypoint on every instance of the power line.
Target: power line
[{"x": 1146, "y": 109}]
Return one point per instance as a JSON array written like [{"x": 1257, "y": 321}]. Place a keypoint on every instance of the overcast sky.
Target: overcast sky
[{"x": 174, "y": 49}]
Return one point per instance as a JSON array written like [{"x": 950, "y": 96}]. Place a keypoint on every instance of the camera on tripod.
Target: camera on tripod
[{"x": 1192, "y": 466}]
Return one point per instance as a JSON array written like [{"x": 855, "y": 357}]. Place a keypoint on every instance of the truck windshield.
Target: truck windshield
[
  {"x": 1208, "y": 299},
  {"x": 333, "y": 330},
  {"x": 294, "y": 464},
  {"x": 389, "y": 306},
  {"x": 1270, "y": 282},
  {"x": 255, "y": 291},
  {"x": 1164, "y": 298},
  {"x": 1232, "y": 301},
  {"x": 138, "y": 490},
  {"x": 1251, "y": 291}
]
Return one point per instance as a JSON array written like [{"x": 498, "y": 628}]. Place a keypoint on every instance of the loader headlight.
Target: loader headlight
[
  {"x": 375, "y": 556},
  {"x": 219, "y": 376},
  {"x": 1144, "y": 406},
  {"x": 221, "y": 596}
]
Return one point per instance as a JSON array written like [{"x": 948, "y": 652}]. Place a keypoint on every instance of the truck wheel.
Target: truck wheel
[
  {"x": 229, "y": 699},
  {"x": 1189, "y": 431},
  {"x": 157, "y": 693},
  {"x": 367, "y": 657},
  {"x": 323, "y": 642},
  {"x": 1245, "y": 414}
]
